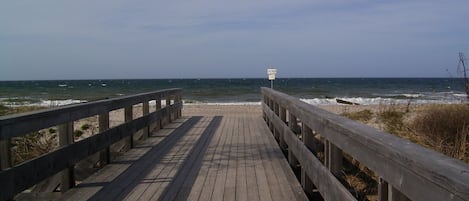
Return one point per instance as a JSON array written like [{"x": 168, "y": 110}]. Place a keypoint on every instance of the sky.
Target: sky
[{"x": 132, "y": 39}]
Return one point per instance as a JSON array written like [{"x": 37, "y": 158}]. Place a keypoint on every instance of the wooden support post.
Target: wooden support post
[
  {"x": 159, "y": 122},
  {"x": 168, "y": 103},
  {"x": 382, "y": 190},
  {"x": 5, "y": 154},
  {"x": 334, "y": 157},
  {"x": 306, "y": 182},
  {"x": 104, "y": 155},
  {"x": 276, "y": 109},
  {"x": 292, "y": 160},
  {"x": 293, "y": 122},
  {"x": 146, "y": 111},
  {"x": 179, "y": 112},
  {"x": 66, "y": 138},
  {"x": 128, "y": 116},
  {"x": 395, "y": 195},
  {"x": 283, "y": 114},
  {"x": 309, "y": 140}
]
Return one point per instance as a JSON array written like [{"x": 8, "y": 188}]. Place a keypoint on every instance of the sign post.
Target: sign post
[{"x": 271, "y": 73}]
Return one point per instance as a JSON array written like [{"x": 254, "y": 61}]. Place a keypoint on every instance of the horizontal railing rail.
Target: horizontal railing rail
[
  {"x": 15, "y": 179},
  {"x": 406, "y": 170}
]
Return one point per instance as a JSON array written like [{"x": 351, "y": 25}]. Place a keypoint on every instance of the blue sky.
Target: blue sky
[{"x": 106, "y": 39}]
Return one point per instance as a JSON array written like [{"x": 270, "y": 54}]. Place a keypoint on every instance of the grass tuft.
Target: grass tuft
[
  {"x": 363, "y": 115},
  {"x": 445, "y": 128}
]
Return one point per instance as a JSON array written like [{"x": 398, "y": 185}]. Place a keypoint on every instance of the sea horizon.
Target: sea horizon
[{"x": 319, "y": 91}]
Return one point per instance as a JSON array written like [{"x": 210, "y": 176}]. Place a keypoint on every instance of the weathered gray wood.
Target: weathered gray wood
[
  {"x": 395, "y": 195},
  {"x": 105, "y": 155},
  {"x": 382, "y": 190},
  {"x": 145, "y": 111},
  {"x": 17, "y": 179},
  {"x": 329, "y": 187},
  {"x": 21, "y": 124},
  {"x": 205, "y": 177},
  {"x": 419, "y": 173},
  {"x": 168, "y": 102},
  {"x": 110, "y": 173},
  {"x": 334, "y": 159},
  {"x": 128, "y": 116},
  {"x": 159, "y": 123},
  {"x": 66, "y": 138},
  {"x": 309, "y": 140},
  {"x": 251, "y": 171},
  {"x": 306, "y": 182},
  {"x": 219, "y": 190},
  {"x": 5, "y": 154},
  {"x": 287, "y": 182}
]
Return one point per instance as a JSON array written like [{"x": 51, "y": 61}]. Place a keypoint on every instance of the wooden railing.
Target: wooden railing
[
  {"x": 406, "y": 170},
  {"x": 15, "y": 179}
]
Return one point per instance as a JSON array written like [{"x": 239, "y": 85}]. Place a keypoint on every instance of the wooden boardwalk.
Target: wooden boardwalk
[{"x": 198, "y": 158}]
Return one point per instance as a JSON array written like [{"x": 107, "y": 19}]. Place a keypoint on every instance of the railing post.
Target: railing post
[
  {"x": 306, "y": 182},
  {"x": 395, "y": 195},
  {"x": 309, "y": 140},
  {"x": 333, "y": 158},
  {"x": 5, "y": 154},
  {"x": 128, "y": 116},
  {"x": 292, "y": 121},
  {"x": 382, "y": 190},
  {"x": 146, "y": 111},
  {"x": 66, "y": 138},
  {"x": 105, "y": 155},
  {"x": 159, "y": 122},
  {"x": 178, "y": 100},
  {"x": 168, "y": 103}
]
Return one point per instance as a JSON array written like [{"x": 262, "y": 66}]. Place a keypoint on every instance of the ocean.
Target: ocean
[{"x": 318, "y": 91}]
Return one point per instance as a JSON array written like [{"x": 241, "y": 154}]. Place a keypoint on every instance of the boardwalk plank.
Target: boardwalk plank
[
  {"x": 241, "y": 180},
  {"x": 210, "y": 158},
  {"x": 220, "y": 180},
  {"x": 108, "y": 173},
  {"x": 289, "y": 187},
  {"x": 230, "y": 183},
  {"x": 250, "y": 148},
  {"x": 261, "y": 176},
  {"x": 185, "y": 178},
  {"x": 207, "y": 164}
]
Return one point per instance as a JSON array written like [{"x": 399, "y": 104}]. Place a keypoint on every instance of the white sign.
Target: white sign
[{"x": 271, "y": 72}]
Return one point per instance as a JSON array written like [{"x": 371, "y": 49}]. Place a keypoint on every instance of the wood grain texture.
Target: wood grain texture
[
  {"x": 419, "y": 173},
  {"x": 25, "y": 175}
]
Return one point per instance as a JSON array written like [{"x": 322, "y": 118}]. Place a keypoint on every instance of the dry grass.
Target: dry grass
[
  {"x": 444, "y": 128},
  {"x": 362, "y": 116}
]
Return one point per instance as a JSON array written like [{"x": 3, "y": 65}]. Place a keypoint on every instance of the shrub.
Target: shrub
[
  {"x": 77, "y": 133},
  {"x": 52, "y": 130},
  {"x": 85, "y": 127}
]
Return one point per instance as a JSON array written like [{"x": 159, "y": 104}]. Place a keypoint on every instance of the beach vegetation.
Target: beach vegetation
[
  {"x": 392, "y": 120},
  {"x": 77, "y": 133},
  {"x": 444, "y": 128},
  {"x": 52, "y": 130},
  {"x": 85, "y": 127},
  {"x": 5, "y": 110},
  {"x": 362, "y": 116},
  {"x": 32, "y": 145}
]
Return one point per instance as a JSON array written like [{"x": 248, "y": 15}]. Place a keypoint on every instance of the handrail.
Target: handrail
[
  {"x": 405, "y": 169},
  {"x": 20, "y": 124},
  {"x": 15, "y": 179}
]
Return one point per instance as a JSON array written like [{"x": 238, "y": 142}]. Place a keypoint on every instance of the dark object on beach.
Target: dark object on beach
[{"x": 345, "y": 102}]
